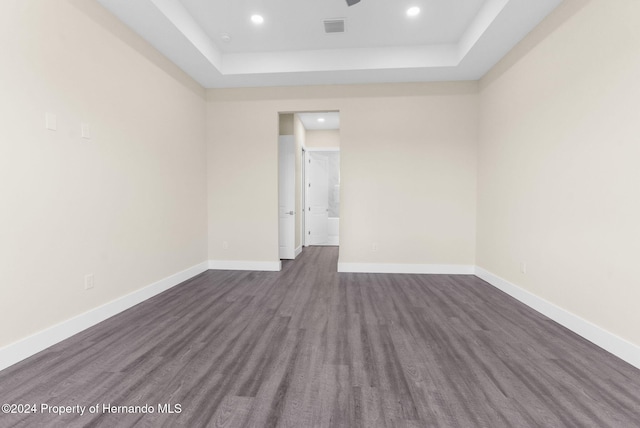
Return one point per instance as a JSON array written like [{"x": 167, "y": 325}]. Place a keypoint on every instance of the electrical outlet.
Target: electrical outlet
[
  {"x": 523, "y": 267},
  {"x": 51, "y": 122},
  {"x": 374, "y": 246},
  {"x": 225, "y": 245},
  {"x": 89, "y": 281}
]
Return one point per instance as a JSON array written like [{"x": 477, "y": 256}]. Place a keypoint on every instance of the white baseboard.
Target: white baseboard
[
  {"x": 618, "y": 346},
  {"x": 24, "y": 348},
  {"x": 37, "y": 342},
  {"x": 406, "y": 268},
  {"x": 298, "y": 250},
  {"x": 245, "y": 265}
]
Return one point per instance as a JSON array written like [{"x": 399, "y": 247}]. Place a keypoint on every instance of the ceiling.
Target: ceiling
[
  {"x": 320, "y": 121},
  {"x": 216, "y": 42}
]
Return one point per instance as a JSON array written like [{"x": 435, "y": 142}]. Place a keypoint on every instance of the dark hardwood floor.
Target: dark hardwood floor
[{"x": 308, "y": 347}]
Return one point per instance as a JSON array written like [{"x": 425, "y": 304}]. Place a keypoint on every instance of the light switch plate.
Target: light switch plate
[
  {"x": 51, "y": 121},
  {"x": 89, "y": 281}
]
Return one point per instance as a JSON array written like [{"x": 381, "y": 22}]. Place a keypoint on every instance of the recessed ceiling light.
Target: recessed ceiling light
[
  {"x": 225, "y": 37},
  {"x": 257, "y": 19},
  {"x": 321, "y": 119},
  {"x": 413, "y": 11}
]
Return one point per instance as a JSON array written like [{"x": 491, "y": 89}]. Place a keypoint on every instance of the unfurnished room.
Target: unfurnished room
[{"x": 337, "y": 213}]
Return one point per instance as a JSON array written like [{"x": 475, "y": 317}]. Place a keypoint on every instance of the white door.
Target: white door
[
  {"x": 318, "y": 201},
  {"x": 287, "y": 196}
]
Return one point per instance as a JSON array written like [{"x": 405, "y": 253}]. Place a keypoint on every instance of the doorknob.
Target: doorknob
[{"x": 290, "y": 213}]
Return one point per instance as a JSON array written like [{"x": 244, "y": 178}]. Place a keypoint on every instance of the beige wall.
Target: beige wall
[
  {"x": 558, "y": 164},
  {"x": 408, "y": 160},
  {"x": 128, "y": 205},
  {"x": 323, "y": 139},
  {"x": 286, "y": 124}
]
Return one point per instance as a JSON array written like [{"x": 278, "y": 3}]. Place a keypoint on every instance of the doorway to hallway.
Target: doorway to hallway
[{"x": 308, "y": 181}]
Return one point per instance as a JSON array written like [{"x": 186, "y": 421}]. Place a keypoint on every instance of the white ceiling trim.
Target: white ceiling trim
[
  {"x": 341, "y": 59},
  {"x": 176, "y": 13},
  {"x": 487, "y": 15},
  {"x": 169, "y": 27}
]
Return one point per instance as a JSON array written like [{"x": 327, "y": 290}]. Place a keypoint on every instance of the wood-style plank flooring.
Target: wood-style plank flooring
[{"x": 308, "y": 347}]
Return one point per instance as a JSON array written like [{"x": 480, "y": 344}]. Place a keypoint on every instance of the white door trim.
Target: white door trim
[
  {"x": 286, "y": 197},
  {"x": 322, "y": 149}
]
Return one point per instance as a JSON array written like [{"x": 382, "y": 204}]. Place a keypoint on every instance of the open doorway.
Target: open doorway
[
  {"x": 321, "y": 177},
  {"x": 303, "y": 137}
]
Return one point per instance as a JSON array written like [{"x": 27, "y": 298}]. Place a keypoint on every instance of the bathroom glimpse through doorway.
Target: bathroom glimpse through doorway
[{"x": 322, "y": 197}]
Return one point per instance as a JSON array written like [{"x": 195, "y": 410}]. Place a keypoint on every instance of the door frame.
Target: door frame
[
  {"x": 303, "y": 196},
  {"x": 289, "y": 140},
  {"x": 305, "y": 171}
]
